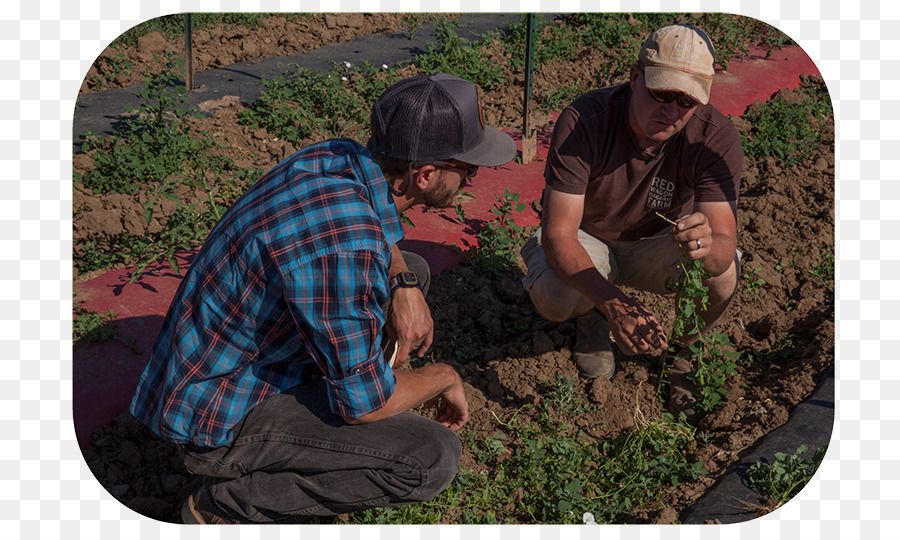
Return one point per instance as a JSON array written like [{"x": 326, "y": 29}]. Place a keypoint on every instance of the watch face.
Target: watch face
[{"x": 408, "y": 279}]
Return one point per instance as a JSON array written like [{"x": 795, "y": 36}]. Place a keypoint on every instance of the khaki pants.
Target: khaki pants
[{"x": 652, "y": 264}]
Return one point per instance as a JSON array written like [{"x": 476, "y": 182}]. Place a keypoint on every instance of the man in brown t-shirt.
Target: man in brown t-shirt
[{"x": 617, "y": 157}]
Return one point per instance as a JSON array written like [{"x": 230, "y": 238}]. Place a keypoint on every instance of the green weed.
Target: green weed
[
  {"x": 110, "y": 67},
  {"x": 787, "y": 130},
  {"x": 795, "y": 255},
  {"x": 824, "y": 270},
  {"x": 782, "y": 479},
  {"x": 753, "y": 282},
  {"x": 89, "y": 326},
  {"x": 156, "y": 151},
  {"x": 154, "y": 142},
  {"x": 710, "y": 354},
  {"x": 714, "y": 363},
  {"x": 782, "y": 349},
  {"x": 455, "y": 55},
  {"x": 299, "y": 102},
  {"x": 497, "y": 240},
  {"x": 544, "y": 472},
  {"x": 93, "y": 257}
]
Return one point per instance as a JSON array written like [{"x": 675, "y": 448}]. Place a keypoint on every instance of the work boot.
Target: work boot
[
  {"x": 681, "y": 389},
  {"x": 593, "y": 348},
  {"x": 198, "y": 510}
]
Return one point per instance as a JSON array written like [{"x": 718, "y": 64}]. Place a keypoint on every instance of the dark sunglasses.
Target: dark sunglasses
[
  {"x": 664, "y": 96},
  {"x": 470, "y": 170}
]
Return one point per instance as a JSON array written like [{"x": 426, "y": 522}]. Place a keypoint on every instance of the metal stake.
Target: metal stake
[
  {"x": 529, "y": 135},
  {"x": 187, "y": 51}
]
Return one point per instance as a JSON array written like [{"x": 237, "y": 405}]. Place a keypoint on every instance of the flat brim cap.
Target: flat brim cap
[
  {"x": 681, "y": 58},
  {"x": 495, "y": 148},
  {"x": 438, "y": 117}
]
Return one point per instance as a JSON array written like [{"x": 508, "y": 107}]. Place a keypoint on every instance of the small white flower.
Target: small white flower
[
  {"x": 384, "y": 66},
  {"x": 588, "y": 519},
  {"x": 348, "y": 64},
  {"x": 343, "y": 78}
]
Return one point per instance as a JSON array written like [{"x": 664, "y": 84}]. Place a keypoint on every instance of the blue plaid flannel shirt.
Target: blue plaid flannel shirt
[{"x": 287, "y": 287}]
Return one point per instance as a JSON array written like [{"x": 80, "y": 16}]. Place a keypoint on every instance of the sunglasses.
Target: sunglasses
[
  {"x": 664, "y": 96},
  {"x": 469, "y": 170}
]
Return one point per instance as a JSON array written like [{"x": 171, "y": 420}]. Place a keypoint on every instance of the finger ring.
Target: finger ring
[{"x": 698, "y": 243}]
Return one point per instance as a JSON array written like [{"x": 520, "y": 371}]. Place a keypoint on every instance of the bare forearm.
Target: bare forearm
[
  {"x": 414, "y": 388},
  {"x": 572, "y": 263},
  {"x": 634, "y": 328},
  {"x": 398, "y": 263},
  {"x": 721, "y": 256}
]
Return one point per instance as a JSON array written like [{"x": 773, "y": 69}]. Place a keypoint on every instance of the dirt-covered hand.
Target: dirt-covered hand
[
  {"x": 452, "y": 406},
  {"x": 411, "y": 323},
  {"x": 693, "y": 235},
  {"x": 634, "y": 329}
]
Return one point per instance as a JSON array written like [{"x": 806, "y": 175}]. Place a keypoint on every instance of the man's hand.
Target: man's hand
[
  {"x": 410, "y": 323},
  {"x": 693, "y": 235},
  {"x": 452, "y": 406},
  {"x": 714, "y": 226},
  {"x": 633, "y": 328},
  {"x": 433, "y": 384}
]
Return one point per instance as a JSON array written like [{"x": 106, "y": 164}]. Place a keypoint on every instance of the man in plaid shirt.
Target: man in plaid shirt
[{"x": 269, "y": 371}]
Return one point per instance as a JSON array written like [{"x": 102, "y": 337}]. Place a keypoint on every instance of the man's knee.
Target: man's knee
[
  {"x": 549, "y": 305},
  {"x": 555, "y": 300},
  {"x": 444, "y": 463}
]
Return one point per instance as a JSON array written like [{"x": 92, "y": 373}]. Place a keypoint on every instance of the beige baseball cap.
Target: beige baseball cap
[{"x": 679, "y": 57}]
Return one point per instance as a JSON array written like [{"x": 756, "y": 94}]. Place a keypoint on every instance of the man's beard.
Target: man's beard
[{"x": 440, "y": 197}]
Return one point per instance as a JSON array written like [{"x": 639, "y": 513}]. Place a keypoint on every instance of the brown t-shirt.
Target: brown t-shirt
[{"x": 594, "y": 152}]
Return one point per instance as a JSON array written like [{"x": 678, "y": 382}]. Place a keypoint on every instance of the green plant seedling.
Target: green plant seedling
[
  {"x": 782, "y": 479},
  {"x": 497, "y": 240},
  {"x": 89, "y": 326},
  {"x": 824, "y": 270},
  {"x": 710, "y": 354},
  {"x": 753, "y": 282}
]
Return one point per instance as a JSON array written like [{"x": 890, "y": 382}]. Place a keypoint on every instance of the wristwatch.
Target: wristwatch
[{"x": 403, "y": 279}]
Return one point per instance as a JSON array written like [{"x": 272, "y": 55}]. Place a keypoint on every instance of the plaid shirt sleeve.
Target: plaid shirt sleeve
[
  {"x": 288, "y": 287},
  {"x": 337, "y": 298}
]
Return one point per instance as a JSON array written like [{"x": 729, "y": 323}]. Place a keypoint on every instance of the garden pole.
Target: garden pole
[
  {"x": 189, "y": 56},
  {"x": 529, "y": 136}
]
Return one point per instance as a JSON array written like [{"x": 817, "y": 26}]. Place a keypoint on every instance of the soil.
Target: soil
[
  {"x": 224, "y": 45},
  {"x": 786, "y": 223}
]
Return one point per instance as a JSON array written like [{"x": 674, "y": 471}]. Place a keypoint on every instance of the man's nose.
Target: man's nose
[{"x": 671, "y": 109}]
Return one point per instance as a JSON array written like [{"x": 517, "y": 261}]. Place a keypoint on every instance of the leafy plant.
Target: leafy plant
[
  {"x": 497, "y": 242},
  {"x": 455, "y": 55},
  {"x": 714, "y": 363},
  {"x": 782, "y": 349},
  {"x": 824, "y": 270},
  {"x": 787, "y": 130},
  {"x": 753, "y": 282},
  {"x": 548, "y": 473},
  {"x": 109, "y": 67},
  {"x": 299, "y": 102},
  {"x": 153, "y": 143},
  {"x": 89, "y": 326},
  {"x": 782, "y": 479},
  {"x": 710, "y": 354}
]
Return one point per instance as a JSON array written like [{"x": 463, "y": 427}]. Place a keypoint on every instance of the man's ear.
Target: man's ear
[
  {"x": 423, "y": 175},
  {"x": 635, "y": 73}
]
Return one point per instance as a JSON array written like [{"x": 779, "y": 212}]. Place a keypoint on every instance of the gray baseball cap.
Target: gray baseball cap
[{"x": 437, "y": 117}]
